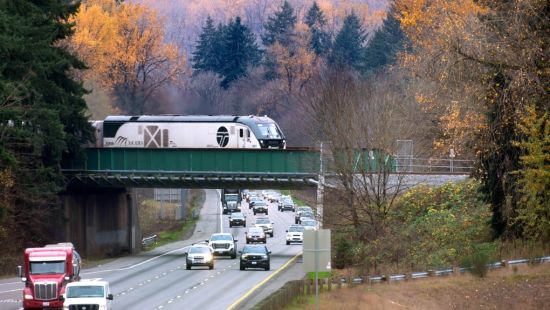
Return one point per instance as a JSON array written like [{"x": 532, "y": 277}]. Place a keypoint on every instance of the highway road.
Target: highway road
[{"x": 158, "y": 279}]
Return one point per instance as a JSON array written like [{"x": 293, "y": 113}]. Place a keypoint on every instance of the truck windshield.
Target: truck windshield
[
  {"x": 85, "y": 291},
  {"x": 47, "y": 267},
  {"x": 232, "y": 197}
]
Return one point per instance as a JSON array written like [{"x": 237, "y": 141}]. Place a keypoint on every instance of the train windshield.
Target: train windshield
[{"x": 269, "y": 130}]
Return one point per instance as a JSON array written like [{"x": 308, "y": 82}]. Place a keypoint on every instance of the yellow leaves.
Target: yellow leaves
[
  {"x": 119, "y": 40},
  {"x": 295, "y": 67},
  {"x": 6, "y": 179}
]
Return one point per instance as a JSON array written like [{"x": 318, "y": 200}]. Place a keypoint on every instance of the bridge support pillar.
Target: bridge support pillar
[{"x": 102, "y": 222}]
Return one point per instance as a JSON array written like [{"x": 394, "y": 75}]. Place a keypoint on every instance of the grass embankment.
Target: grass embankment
[
  {"x": 522, "y": 287},
  {"x": 298, "y": 201},
  {"x": 157, "y": 219}
]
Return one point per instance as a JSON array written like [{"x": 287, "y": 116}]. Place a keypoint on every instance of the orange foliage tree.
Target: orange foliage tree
[
  {"x": 296, "y": 63},
  {"x": 481, "y": 64},
  {"x": 123, "y": 44}
]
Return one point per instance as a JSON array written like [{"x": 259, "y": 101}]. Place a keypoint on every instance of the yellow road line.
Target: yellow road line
[{"x": 236, "y": 303}]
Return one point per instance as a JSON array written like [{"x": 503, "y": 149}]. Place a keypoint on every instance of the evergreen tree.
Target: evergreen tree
[
  {"x": 280, "y": 26},
  {"x": 348, "y": 48},
  {"x": 205, "y": 57},
  {"x": 42, "y": 119},
  {"x": 384, "y": 46},
  {"x": 315, "y": 19},
  {"x": 239, "y": 51}
]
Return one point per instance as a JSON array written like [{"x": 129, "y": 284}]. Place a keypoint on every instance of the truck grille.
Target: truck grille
[
  {"x": 83, "y": 307},
  {"x": 45, "y": 291},
  {"x": 220, "y": 245}
]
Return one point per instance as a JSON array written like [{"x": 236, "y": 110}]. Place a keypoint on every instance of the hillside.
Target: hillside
[{"x": 184, "y": 18}]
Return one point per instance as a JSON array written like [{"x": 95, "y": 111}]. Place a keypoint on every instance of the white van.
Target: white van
[{"x": 88, "y": 294}]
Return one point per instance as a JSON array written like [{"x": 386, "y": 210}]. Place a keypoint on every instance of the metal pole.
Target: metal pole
[
  {"x": 320, "y": 189},
  {"x": 317, "y": 270}
]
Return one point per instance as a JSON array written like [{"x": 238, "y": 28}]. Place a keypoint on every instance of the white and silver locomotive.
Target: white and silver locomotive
[{"x": 189, "y": 131}]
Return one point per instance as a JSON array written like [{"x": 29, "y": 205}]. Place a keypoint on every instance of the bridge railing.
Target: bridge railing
[{"x": 434, "y": 165}]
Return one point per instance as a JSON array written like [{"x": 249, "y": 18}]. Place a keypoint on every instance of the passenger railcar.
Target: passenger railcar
[{"x": 178, "y": 131}]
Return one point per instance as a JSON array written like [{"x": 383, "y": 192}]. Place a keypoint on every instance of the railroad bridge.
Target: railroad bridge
[{"x": 101, "y": 211}]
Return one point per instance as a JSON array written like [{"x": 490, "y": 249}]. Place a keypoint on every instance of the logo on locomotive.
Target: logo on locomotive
[{"x": 222, "y": 136}]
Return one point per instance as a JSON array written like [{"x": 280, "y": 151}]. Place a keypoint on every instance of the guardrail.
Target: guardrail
[
  {"x": 300, "y": 290},
  {"x": 148, "y": 241}
]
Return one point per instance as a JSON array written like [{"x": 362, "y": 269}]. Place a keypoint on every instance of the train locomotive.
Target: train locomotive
[{"x": 189, "y": 131}]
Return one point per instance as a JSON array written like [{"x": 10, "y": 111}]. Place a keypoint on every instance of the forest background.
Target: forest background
[{"x": 467, "y": 76}]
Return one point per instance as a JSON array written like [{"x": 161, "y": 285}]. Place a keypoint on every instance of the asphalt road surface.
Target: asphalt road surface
[{"x": 158, "y": 279}]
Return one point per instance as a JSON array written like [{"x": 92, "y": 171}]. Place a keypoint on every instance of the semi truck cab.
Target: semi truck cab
[{"x": 46, "y": 273}]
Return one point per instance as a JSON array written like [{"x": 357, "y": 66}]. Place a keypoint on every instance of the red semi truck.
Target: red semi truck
[{"x": 46, "y": 272}]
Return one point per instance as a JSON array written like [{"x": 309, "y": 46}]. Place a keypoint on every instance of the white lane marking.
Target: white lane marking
[
  {"x": 19, "y": 289},
  {"x": 8, "y": 283},
  {"x": 138, "y": 264}
]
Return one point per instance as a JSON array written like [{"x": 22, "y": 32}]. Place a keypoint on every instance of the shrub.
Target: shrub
[{"x": 479, "y": 259}]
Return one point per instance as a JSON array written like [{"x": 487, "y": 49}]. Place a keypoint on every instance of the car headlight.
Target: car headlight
[
  {"x": 208, "y": 257},
  {"x": 102, "y": 307},
  {"x": 28, "y": 296}
]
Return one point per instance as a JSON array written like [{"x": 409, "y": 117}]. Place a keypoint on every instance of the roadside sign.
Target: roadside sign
[{"x": 316, "y": 251}]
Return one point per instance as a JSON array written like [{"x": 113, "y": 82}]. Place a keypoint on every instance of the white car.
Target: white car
[
  {"x": 310, "y": 224},
  {"x": 223, "y": 244},
  {"x": 199, "y": 255},
  {"x": 266, "y": 224},
  {"x": 295, "y": 233},
  {"x": 89, "y": 294}
]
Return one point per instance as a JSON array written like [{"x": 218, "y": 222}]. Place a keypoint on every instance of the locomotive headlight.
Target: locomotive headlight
[{"x": 262, "y": 142}]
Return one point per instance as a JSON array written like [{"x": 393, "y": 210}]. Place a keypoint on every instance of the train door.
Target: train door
[{"x": 243, "y": 138}]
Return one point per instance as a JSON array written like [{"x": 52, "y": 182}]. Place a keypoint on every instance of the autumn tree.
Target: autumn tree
[
  {"x": 348, "y": 48},
  {"x": 123, "y": 43},
  {"x": 534, "y": 209},
  {"x": 359, "y": 122},
  {"x": 486, "y": 62}
]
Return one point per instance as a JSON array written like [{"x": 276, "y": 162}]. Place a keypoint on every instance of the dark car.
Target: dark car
[
  {"x": 255, "y": 256},
  {"x": 299, "y": 212},
  {"x": 287, "y": 207},
  {"x": 260, "y": 207},
  {"x": 254, "y": 200},
  {"x": 285, "y": 203},
  {"x": 237, "y": 219},
  {"x": 255, "y": 234}
]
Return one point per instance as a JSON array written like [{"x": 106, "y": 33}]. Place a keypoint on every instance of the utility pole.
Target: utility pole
[{"x": 320, "y": 189}]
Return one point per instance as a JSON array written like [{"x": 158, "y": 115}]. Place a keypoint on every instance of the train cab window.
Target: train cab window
[
  {"x": 140, "y": 130},
  {"x": 241, "y": 133},
  {"x": 248, "y": 133}
]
